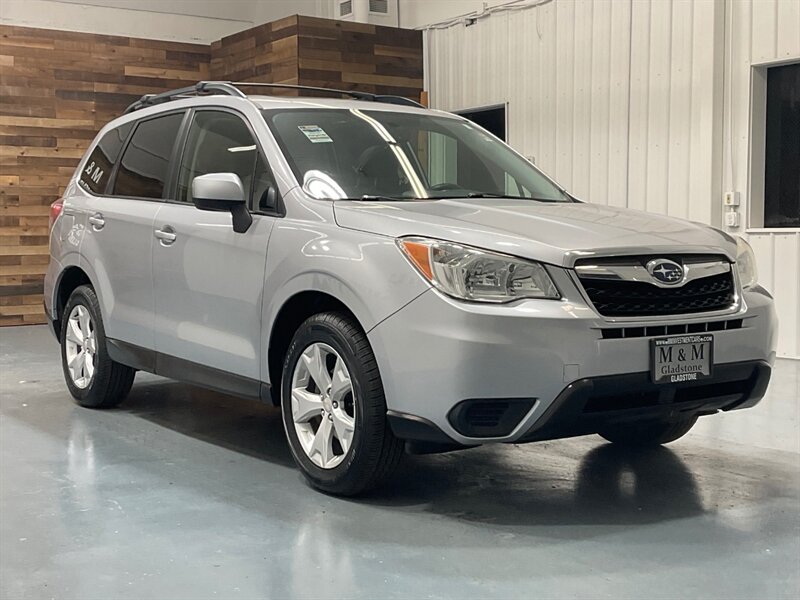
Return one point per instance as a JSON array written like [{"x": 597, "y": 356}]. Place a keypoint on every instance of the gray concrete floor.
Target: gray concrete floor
[{"x": 183, "y": 493}]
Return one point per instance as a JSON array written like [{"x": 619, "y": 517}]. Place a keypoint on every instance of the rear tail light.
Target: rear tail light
[{"x": 55, "y": 210}]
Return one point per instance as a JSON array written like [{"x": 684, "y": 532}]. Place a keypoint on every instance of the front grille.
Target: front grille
[{"x": 627, "y": 298}]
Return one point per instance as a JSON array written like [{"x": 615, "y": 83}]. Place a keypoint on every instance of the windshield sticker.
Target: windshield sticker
[{"x": 315, "y": 134}]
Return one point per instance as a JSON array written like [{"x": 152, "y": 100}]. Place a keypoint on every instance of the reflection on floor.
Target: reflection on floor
[{"x": 191, "y": 494}]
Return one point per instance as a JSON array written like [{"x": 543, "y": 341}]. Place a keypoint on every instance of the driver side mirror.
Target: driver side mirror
[{"x": 222, "y": 192}]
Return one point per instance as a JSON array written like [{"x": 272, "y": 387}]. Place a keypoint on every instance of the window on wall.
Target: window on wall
[
  {"x": 782, "y": 148},
  {"x": 492, "y": 120}
]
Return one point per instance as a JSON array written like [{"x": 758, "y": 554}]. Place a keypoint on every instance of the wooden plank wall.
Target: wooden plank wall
[
  {"x": 266, "y": 53},
  {"x": 369, "y": 58},
  {"x": 325, "y": 53},
  {"x": 57, "y": 89}
]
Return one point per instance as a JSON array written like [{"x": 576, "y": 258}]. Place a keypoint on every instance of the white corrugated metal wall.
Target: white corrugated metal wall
[
  {"x": 625, "y": 102},
  {"x": 762, "y": 31}
]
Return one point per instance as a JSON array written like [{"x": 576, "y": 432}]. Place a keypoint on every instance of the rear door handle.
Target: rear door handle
[
  {"x": 167, "y": 235},
  {"x": 97, "y": 221}
]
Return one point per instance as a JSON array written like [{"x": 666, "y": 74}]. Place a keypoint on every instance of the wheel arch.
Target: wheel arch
[
  {"x": 289, "y": 317},
  {"x": 70, "y": 278}
]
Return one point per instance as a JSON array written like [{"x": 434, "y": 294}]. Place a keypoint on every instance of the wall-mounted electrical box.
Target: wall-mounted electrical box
[
  {"x": 732, "y": 219},
  {"x": 730, "y": 198}
]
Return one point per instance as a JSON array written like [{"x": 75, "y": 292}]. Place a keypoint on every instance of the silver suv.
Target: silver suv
[{"x": 394, "y": 278}]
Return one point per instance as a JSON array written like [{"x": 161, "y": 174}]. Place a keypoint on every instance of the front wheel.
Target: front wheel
[
  {"x": 93, "y": 379},
  {"x": 334, "y": 410},
  {"x": 651, "y": 433}
]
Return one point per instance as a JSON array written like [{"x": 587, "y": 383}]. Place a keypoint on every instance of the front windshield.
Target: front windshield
[{"x": 379, "y": 155}]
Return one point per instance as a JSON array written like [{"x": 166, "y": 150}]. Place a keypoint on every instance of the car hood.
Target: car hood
[{"x": 556, "y": 233}]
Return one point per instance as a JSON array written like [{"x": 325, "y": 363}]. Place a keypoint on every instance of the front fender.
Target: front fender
[{"x": 365, "y": 272}]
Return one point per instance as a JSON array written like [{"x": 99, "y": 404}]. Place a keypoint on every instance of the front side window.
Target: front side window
[
  {"x": 220, "y": 142},
  {"x": 144, "y": 166},
  {"x": 363, "y": 154},
  {"x": 97, "y": 170}
]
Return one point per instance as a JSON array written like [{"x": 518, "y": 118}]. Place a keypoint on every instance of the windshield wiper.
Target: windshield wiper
[
  {"x": 371, "y": 198},
  {"x": 481, "y": 195},
  {"x": 493, "y": 195}
]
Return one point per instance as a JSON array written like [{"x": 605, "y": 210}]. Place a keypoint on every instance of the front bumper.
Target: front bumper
[{"x": 436, "y": 353}]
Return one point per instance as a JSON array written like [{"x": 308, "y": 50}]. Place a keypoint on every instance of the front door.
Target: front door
[{"x": 209, "y": 280}]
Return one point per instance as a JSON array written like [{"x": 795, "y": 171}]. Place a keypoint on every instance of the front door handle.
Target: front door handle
[
  {"x": 167, "y": 235},
  {"x": 97, "y": 221}
]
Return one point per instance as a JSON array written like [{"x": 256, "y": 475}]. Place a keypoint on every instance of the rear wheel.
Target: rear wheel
[
  {"x": 334, "y": 410},
  {"x": 652, "y": 433},
  {"x": 93, "y": 379}
]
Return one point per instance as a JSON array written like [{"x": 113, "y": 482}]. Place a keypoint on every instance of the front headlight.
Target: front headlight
[
  {"x": 477, "y": 275},
  {"x": 746, "y": 263}
]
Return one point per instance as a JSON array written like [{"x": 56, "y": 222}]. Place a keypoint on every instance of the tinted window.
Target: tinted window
[
  {"x": 97, "y": 170},
  {"x": 782, "y": 176},
  {"x": 220, "y": 142},
  {"x": 145, "y": 163}
]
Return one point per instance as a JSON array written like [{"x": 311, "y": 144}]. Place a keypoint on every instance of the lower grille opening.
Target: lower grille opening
[
  {"x": 489, "y": 417},
  {"x": 664, "y": 394},
  {"x": 615, "y": 333},
  {"x": 622, "y": 401},
  {"x": 711, "y": 390}
]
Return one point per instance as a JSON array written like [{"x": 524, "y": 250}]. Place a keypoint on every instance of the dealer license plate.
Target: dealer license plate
[{"x": 681, "y": 358}]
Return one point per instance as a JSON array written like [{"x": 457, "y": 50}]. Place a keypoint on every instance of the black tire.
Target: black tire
[
  {"x": 375, "y": 452},
  {"x": 650, "y": 433},
  {"x": 111, "y": 381}
]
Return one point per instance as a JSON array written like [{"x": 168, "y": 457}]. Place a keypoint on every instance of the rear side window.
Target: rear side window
[
  {"x": 144, "y": 166},
  {"x": 97, "y": 170}
]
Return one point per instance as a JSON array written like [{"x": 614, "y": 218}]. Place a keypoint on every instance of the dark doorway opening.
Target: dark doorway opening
[
  {"x": 782, "y": 175},
  {"x": 492, "y": 119}
]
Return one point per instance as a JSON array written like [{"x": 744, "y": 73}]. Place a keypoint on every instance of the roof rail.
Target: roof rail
[
  {"x": 201, "y": 88},
  {"x": 229, "y": 88},
  {"x": 385, "y": 98}
]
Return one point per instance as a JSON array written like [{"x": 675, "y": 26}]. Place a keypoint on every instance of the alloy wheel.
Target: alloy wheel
[
  {"x": 323, "y": 405},
  {"x": 81, "y": 347}
]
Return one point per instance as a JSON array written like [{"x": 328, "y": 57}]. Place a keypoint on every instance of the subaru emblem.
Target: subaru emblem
[{"x": 665, "y": 271}]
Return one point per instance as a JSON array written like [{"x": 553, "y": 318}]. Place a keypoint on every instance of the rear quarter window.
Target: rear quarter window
[{"x": 97, "y": 169}]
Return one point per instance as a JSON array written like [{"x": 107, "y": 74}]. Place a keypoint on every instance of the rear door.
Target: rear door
[
  {"x": 118, "y": 236},
  {"x": 209, "y": 280}
]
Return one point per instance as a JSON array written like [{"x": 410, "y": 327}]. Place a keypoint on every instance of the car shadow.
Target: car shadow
[
  {"x": 566, "y": 482},
  {"x": 247, "y": 426},
  {"x": 536, "y": 485}
]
